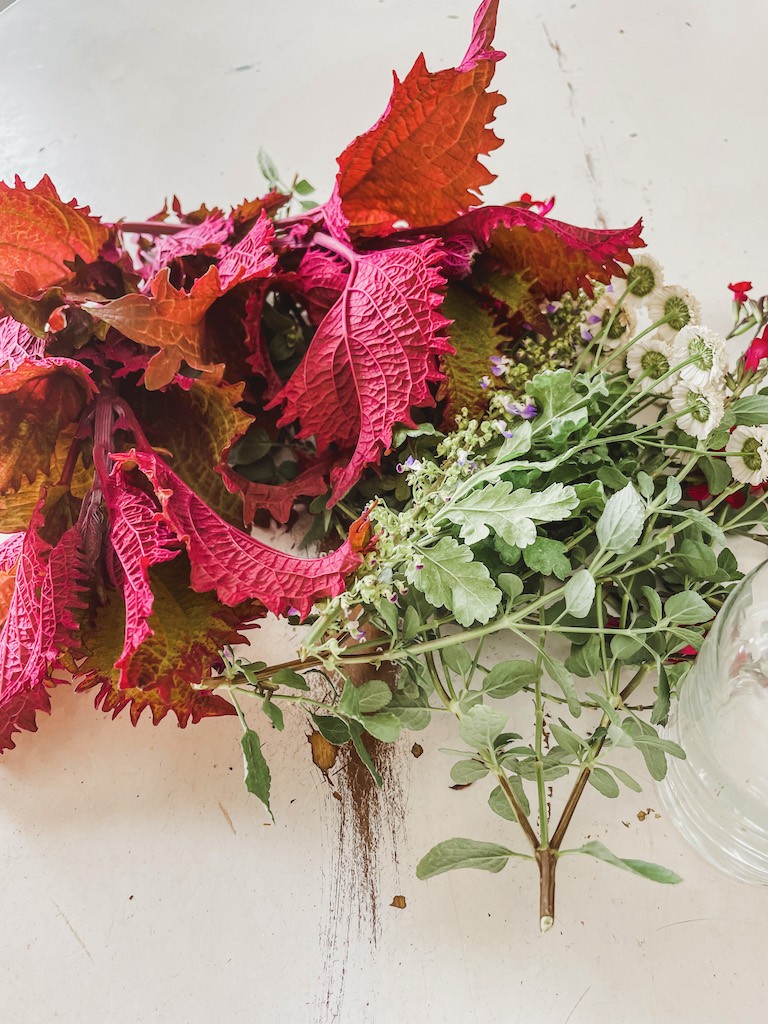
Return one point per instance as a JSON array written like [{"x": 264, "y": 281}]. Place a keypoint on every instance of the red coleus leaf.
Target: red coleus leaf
[
  {"x": 419, "y": 163},
  {"x": 39, "y": 622},
  {"x": 17, "y": 344},
  {"x": 138, "y": 540},
  {"x": 372, "y": 358},
  {"x": 559, "y": 256},
  {"x": 237, "y": 566},
  {"x": 40, "y": 233},
  {"x": 319, "y": 281},
  {"x": 37, "y": 401},
  {"x": 205, "y": 238},
  {"x": 258, "y": 353},
  {"x": 277, "y": 499},
  {"x": 173, "y": 320}
]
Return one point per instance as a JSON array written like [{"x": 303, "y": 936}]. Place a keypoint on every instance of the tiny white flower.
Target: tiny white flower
[
  {"x": 701, "y": 408},
  {"x": 749, "y": 461},
  {"x": 676, "y": 303},
  {"x": 708, "y": 351},
  {"x": 643, "y": 280},
  {"x": 624, "y": 322},
  {"x": 652, "y": 359}
]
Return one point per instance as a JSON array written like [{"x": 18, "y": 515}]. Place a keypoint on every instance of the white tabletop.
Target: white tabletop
[{"x": 141, "y": 883}]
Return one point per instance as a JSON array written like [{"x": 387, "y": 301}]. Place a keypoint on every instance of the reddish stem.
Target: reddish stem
[{"x": 151, "y": 227}]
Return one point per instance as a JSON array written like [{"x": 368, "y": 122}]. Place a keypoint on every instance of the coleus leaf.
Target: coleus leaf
[
  {"x": 139, "y": 540},
  {"x": 419, "y": 163},
  {"x": 475, "y": 339},
  {"x": 562, "y": 258},
  {"x": 319, "y": 281},
  {"x": 39, "y": 622},
  {"x": 237, "y": 566},
  {"x": 197, "y": 426},
  {"x": 205, "y": 238},
  {"x": 258, "y": 353},
  {"x": 41, "y": 233},
  {"x": 372, "y": 358},
  {"x": 173, "y": 320},
  {"x": 277, "y": 499},
  {"x": 189, "y": 631},
  {"x": 10, "y": 550},
  {"x": 37, "y": 400},
  {"x": 17, "y": 344}
]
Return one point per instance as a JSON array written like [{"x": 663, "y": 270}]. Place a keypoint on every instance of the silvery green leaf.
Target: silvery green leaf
[
  {"x": 674, "y": 491},
  {"x": 499, "y": 804},
  {"x": 511, "y": 585},
  {"x": 464, "y": 772},
  {"x": 451, "y": 579},
  {"x": 517, "y": 445},
  {"x": 645, "y": 484},
  {"x": 511, "y": 514},
  {"x": 619, "y": 527},
  {"x": 384, "y": 727},
  {"x": 373, "y": 696},
  {"x": 509, "y": 677},
  {"x": 457, "y": 659},
  {"x": 462, "y": 853},
  {"x": 560, "y": 674},
  {"x": 580, "y": 593},
  {"x": 655, "y": 872},
  {"x": 480, "y": 727},
  {"x": 603, "y": 782},
  {"x": 688, "y": 608},
  {"x": 256, "y": 770}
]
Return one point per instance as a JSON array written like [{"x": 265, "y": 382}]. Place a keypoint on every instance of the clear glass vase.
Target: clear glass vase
[{"x": 718, "y": 796}]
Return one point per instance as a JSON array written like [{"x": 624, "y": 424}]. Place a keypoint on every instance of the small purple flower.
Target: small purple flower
[
  {"x": 592, "y": 319},
  {"x": 525, "y": 412},
  {"x": 418, "y": 565},
  {"x": 485, "y": 382},
  {"x": 552, "y": 307},
  {"x": 393, "y": 598},
  {"x": 500, "y": 365},
  {"x": 294, "y": 612},
  {"x": 501, "y": 427},
  {"x": 410, "y": 463},
  {"x": 360, "y": 635},
  {"x": 585, "y": 334},
  {"x": 609, "y": 287}
]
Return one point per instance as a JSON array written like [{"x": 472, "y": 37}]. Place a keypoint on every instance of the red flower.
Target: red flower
[
  {"x": 757, "y": 350},
  {"x": 698, "y": 492},
  {"x": 738, "y": 499},
  {"x": 740, "y": 290}
]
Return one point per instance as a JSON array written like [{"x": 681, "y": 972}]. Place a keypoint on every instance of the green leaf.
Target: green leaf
[
  {"x": 560, "y": 674},
  {"x": 751, "y": 411},
  {"x": 303, "y": 188},
  {"x": 273, "y": 713},
  {"x": 687, "y": 608},
  {"x": 287, "y": 677},
  {"x": 717, "y": 473},
  {"x": 414, "y": 719},
  {"x": 567, "y": 738},
  {"x": 508, "y": 677},
  {"x": 388, "y": 611},
  {"x": 517, "y": 445},
  {"x": 619, "y": 527},
  {"x": 457, "y": 659},
  {"x": 499, "y": 804},
  {"x": 645, "y": 485},
  {"x": 511, "y": 514},
  {"x": 267, "y": 167},
  {"x": 464, "y": 772},
  {"x": 411, "y": 623},
  {"x": 462, "y": 853},
  {"x": 624, "y": 647},
  {"x": 480, "y": 727},
  {"x": 697, "y": 560},
  {"x": 603, "y": 782},
  {"x": 654, "y": 872},
  {"x": 654, "y": 603},
  {"x": 385, "y": 727},
  {"x": 257, "y": 777},
  {"x": 702, "y": 520},
  {"x": 580, "y": 593},
  {"x": 627, "y": 779},
  {"x": 508, "y": 553},
  {"x": 674, "y": 491},
  {"x": 585, "y": 661},
  {"x": 356, "y": 735},
  {"x": 373, "y": 696},
  {"x": 511, "y": 585},
  {"x": 335, "y": 730},
  {"x": 452, "y": 579},
  {"x": 547, "y": 557}
]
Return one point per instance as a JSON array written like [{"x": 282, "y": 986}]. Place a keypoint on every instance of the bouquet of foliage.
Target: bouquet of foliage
[{"x": 481, "y": 435}]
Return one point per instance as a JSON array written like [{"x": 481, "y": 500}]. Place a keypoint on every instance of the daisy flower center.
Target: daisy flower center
[
  {"x": 641, "y": 281},
  {"x": 750, "y": 452},
  {"x": 654, "y": 364},
  {"x": 677, "y": 312},
  {"x": 617, "y": 328},
  {"x": 698, "y": 407},
  {"x": 702, "y": 354}
]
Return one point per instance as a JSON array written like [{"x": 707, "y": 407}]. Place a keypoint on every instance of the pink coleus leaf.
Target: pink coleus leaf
[
  {"x": 372, "y": 357},
  {"x": 277, "y": 499},
  {"x": 234, "y": 564},
  {"x": 139, "y": 539},
  {"x": 252, "y": 257},
  {"x": 559, "y": 256},
  {"x": 17, "y": 344},
  {"x": 206, "y": 238},
  {"x": 319, "y": 281},
  {"x": 419, "y": 163},
  {"x": 258, "y": 354},
  {"x": 40, "y": 622}
]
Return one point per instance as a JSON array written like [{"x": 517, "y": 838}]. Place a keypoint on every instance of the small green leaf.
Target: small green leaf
[
  {"x": 335, "y": 730},
  {"x": 654, "y": 602},
  {"x": 547, "y": 557},
  {"x": 508, "y": 677},
  {"x": 603, "y": 782},
  {"x": 303, "y": 188},
  {"x": 560, "y": 674},
  {"x": 464, "y": 772},
  {"x": 499, "y": 804},
  {"x": 580, "y": 593},
  {"x": 372, "y": 696},
  {"x": 257, "y": 777},
  {"x": 627, "y": 779},
  {"x": 585, "y": 661},
  {"x": 451, "y": 578},
  {"x": 273, "y": 713},
  {"x": 480, "y": 727},
  {"x": 385, "y": 727},
  {"x": 462, "y": 853},
  {"x": 356, "y": 735},
  {"x": 674, "y": 491},
  {"x": 751, "y": 411},
  {"x": 287, "y": 677},
  {"x": 457, "y": 659},
  {"x": 619, "y": 527},
  {"x": 567, "y": 738},
  {"x": 655, "y": 872},
  {"x": 511, "y": 585},
  {"x": 388, "y": 611},
  {"x": 645, "y": 485},
  {"x": 687, "y": 608},
  {"x": 411, "y": 623},
  {"x": 511, "y": 513}
]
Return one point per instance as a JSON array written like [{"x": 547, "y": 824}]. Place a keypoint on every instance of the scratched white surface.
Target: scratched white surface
[{"x": 139, "y": 882}]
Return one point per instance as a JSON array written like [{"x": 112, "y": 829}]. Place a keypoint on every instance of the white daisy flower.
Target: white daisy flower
[
  {"x": 643, "y": 279},
  {"x": 749, "y": 461},
  {"x": 651, "y": 358},
  {"x": 708, "y": 351},
  {"x": 624, "y": 323},
  {"x": 676, "y": 303},
  {"x": 701, "y": 409}
]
